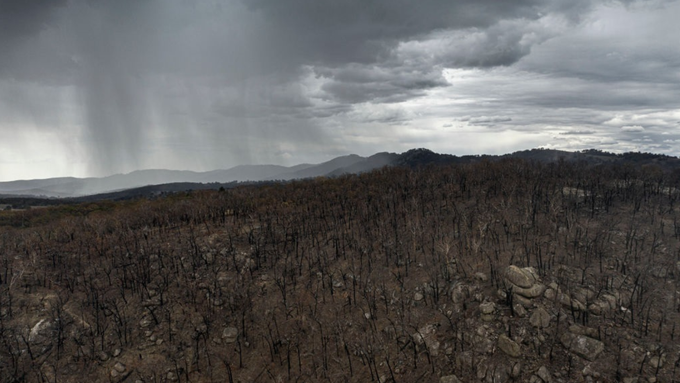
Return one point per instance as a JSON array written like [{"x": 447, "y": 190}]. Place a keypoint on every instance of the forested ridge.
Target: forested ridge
[{"x": 493, "y": 271}]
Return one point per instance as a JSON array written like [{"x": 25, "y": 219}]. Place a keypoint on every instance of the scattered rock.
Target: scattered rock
[
  {"x": 583, "y": 346},
  {"x": 482, "y": 370},
  {"x": 41, "y": 332},
  {"x": 481, "y": 277},
  {"x": 550, "y": 294},
  {"x": 598, "y": 308},
  {"x": 119, "y": 372},
  {"x": 487, "y": 308},
  {"x": 583, "y": 330},
  {"x": 509, "y": 346},
  {"x": 659, "y": 271},
  {"x": 418, "y": 297},
  {"x": 544, "y": 374},
  {"x": 519, "y": 310},
  {"x": 588, "y": 370},
  {"x": 497, "y": 374},
  {"x": 230, "y": 334},
  {"x": 483, "y": 341},
  {"x": 449, "y": 379},
  {"x": 584, "y": 295},
  {"x": 540, "y": 318},
  {"x": 460, "y": 293},
  {"x": 516, "y": 370},
  {"x": 565, "y": 300},
  {"x": 427, "y": 335},
  {"x": 658, "y": 362}
]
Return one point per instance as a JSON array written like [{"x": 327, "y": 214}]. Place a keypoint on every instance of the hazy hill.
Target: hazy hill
[
  {"x": 336, "y": 164},
  {"x": 351, "y": 164}
]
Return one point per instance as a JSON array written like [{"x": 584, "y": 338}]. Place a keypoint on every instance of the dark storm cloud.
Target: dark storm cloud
[
  {"x": 356, "y": 83},
  {"x": 20, "y": 19}
]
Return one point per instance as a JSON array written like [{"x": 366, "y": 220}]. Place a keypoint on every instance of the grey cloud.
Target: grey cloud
[
  {"x": 136, "y": 80},
  {"x": 360, "y": 83},
  {"x": 499, "y": 45},
  {"x": 360, "y": 31},
  {"x": 488, "y": 120},
  {"x": 632, "y": 128},
  {"x": 578, "y": 133}
]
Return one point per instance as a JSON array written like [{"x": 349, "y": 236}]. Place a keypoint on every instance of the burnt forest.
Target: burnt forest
[{"x": 505, "y": 270}]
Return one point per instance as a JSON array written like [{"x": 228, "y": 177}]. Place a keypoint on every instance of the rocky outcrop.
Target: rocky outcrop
[
  {"x": 523, "y": 283},
  {"x": 520, "y": 277}
]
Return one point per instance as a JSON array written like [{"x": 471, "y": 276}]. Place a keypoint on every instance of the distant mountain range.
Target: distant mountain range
[{"x": 174, "y": 180}]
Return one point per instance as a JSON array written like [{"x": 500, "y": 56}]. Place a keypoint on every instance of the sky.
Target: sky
[{"x": 98, "y": 87}]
